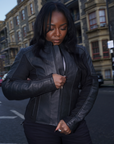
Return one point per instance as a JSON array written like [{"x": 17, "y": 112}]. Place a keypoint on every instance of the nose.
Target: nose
[{"x": 57, "y": 32}]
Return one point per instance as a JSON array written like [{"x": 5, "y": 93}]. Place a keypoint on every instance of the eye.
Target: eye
[
  {"x": 51, "y": 29},
  {"x": 63, "y": 28}
]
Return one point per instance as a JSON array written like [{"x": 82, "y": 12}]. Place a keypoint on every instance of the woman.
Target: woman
[{"x": 55, "y": 66}]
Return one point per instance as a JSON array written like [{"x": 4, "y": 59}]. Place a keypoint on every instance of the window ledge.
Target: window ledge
[
  {"x": 101, "y": 59},
  {"x": 97, "y": 29}
]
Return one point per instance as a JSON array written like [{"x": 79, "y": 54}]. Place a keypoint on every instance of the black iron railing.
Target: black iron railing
[{"x": 2, "y": 38}]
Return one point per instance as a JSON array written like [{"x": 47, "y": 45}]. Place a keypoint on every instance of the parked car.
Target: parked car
[
  {"x": 0, "y": 80},
  {"x": 100, "y": 79}
]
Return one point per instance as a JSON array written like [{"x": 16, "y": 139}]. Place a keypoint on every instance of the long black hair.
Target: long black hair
[{"x": 40, "y": 27}]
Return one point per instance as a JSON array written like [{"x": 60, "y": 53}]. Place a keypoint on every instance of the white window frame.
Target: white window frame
[
  {"x": 19, "y": 35},
  {"x": 23, "y": 14},
  {"x": 31, "y": 8}
]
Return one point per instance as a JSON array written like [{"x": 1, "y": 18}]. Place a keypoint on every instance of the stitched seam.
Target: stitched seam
[
  {"x": 88, "y": 94},
  {"x": 82, "y": 106},
  {"x": 85, "y": 101},
  {"x": 87, "y": 61},
  {"x": 87, "y": 98}
]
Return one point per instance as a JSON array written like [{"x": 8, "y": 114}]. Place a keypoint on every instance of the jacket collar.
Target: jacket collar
[{"x": 48, "y": 43}]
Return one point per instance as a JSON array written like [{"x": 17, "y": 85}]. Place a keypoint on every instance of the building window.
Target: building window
[
  {"x": 75, "y": 14},
  {"x": 17, "y": 20},
  {"x": 95, "y": 50},
  {"x": 12, "y": 53},
  {"x": 23, "y": 14},
  {"x": 98, "y": 72},
  {"x": 31, "y": 8},
  {"x": 32, "y": 25},
  {"x": 102, "y": 17},
  {"x": 105, "y": 49},
  {"x": 19, "y": 36},
  {"x": 107, "y": 74},
  {"x": 26, "y": 45},
  {"x": 92, "y": 20},
  {"x": 11, "y": 24},
  {"x": 12, "y": 38},
  {"x": 24, "y": 31}
]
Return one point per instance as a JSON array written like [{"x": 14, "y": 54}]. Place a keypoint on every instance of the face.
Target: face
[{"x": 58, "y": 29}]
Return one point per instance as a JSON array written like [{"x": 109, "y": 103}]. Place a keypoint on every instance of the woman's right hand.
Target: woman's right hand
[{"x": 59, "y": 80}]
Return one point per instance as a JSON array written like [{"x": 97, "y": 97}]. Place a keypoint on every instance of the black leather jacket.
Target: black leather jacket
[{"x": 48, "y": 105}]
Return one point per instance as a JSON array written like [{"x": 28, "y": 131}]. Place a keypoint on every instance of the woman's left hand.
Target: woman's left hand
[{"x": 63, "y": 128}]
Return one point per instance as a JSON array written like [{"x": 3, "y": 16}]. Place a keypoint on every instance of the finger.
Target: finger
[
  {"x": 58, "y": 84},
  {"x": 64, "y": 79},
  {"x": 57, "y": 87},
  {"x": 62, "y": 82},
  {"x": 58, "y": 126},
  {"x": 28, "y": 79},
  {"x": 66, "y": 132}
]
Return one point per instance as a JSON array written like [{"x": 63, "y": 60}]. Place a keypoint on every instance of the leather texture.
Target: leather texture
[{"x": 47, "y": 104}]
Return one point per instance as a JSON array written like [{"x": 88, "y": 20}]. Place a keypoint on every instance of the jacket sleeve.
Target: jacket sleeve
[
  {"x": 87, "y": 95},
  {"x": 17, "y": 87}
]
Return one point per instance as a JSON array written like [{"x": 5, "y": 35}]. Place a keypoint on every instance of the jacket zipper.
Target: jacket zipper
[
  {"x": 60, "y": 97},
  {"x": 61, "y": 91},
  {"x": 59, "y": 105}
]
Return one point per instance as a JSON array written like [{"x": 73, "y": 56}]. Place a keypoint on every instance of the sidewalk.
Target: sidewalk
[{"x": 108, "y": 84}]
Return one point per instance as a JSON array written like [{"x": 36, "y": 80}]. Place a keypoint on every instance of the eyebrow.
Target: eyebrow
[{"x": 60, "y": 25}]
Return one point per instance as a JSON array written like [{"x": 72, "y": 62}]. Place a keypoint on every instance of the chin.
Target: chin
[{"x": 57, "y": 43}]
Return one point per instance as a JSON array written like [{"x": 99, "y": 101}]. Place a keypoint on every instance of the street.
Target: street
[
  {"x": 11, "y": 117},
  {"x": 100, "y": 120}
]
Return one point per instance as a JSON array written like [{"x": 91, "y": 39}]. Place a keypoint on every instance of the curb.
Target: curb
[{"x": 112, "y": 86}]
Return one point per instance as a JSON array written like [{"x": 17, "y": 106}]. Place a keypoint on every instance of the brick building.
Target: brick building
[{"x": 111, "y": 17}]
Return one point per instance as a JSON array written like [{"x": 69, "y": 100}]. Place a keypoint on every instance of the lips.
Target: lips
[{"x": 56, "y": 41}]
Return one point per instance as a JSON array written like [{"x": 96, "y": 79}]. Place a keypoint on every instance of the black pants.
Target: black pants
[{"x": 44, "y": 134}]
